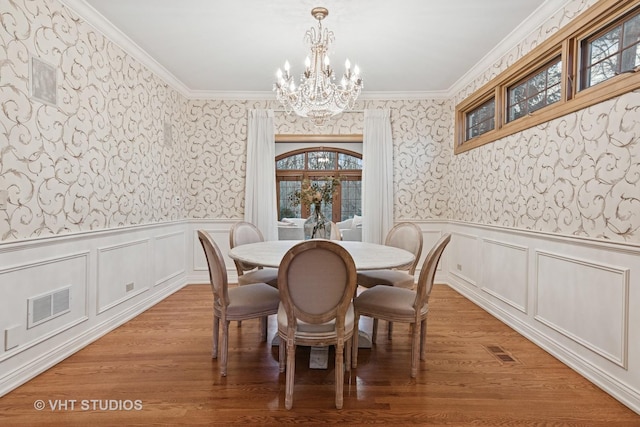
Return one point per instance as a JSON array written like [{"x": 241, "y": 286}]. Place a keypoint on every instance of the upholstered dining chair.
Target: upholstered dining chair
[
  {"x": 317, "y": 280},
  {"x": 256, "y": 300},
  {"x": 403, "y": 305},
  {"x": 242, "y": 233},
  {"x": 404, "y": 235}
]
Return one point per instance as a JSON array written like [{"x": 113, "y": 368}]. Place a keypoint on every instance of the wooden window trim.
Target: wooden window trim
[{"x": 566, "y": 43}]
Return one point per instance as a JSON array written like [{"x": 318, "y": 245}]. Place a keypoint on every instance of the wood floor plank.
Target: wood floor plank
[{"x": 162, "y": 359}]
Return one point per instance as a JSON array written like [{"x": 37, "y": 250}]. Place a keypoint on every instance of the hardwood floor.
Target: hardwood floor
[{"x": 157, "y": 369}]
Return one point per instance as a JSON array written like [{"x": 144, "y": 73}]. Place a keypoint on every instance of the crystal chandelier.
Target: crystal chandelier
[{"x": 317, "y": 96}]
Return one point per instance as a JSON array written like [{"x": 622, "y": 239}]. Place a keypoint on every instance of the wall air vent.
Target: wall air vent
[{"x": 46, "y": 307}]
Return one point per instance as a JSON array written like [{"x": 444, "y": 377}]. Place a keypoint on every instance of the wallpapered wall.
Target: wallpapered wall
[
  {"x": 576, "y": 175},
  {"x": 100, "y": 159},
  {"x": 216, "y": 148}
]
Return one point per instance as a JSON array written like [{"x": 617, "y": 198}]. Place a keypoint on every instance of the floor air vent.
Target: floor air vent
[
  {"x": 45, "y": 307},
  {"x": 501, "y": 354}
]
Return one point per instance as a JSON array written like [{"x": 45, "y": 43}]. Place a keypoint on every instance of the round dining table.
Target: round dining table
[{"x": 366, "y": 256}]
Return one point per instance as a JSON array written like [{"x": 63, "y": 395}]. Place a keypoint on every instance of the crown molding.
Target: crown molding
[
  {"x": 534, "y": 21},
  {"x": 94, "y": 19}
]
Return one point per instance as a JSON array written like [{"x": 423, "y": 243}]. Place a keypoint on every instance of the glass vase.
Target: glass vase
[{"x": 317, "y": 226}]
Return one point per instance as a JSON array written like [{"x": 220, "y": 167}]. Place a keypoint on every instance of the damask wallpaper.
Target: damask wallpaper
[
  {"x": 98, "y": 159},
  {"x": 101, "y": 159},
  {"x": 576, "y": 175}
]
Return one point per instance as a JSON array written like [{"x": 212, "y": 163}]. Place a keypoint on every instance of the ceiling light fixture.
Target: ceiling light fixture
[{"x": 317, "y": 96}]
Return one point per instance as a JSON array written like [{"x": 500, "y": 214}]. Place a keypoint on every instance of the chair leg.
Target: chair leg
[
  {"x": 291, "y": 370},
  {"x": 216, "y": 329},
  {"x": 263, "y": 328},
  {"x": 282, "y": 354},
  {"x": 423, "y": 340},
  {"x": 374, "y": 334},
  {"x": 225, "y": 347},
  {"x": 348, "y": 348},
  {"x": 390, "y": 330},
  {"x": 415, "y": 349},
  {"x": 339, "y": 374},
  {"x": 356, "y": 336}
]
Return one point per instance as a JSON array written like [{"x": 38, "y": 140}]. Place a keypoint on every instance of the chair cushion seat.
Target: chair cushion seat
[
  {"x": 400, "y": 279},
  {"x": 395, "y": 302},
  {"x": 257, "y": 298},
  {"x": 312, "y": 328},
  {"x": 263, "y": 275}
]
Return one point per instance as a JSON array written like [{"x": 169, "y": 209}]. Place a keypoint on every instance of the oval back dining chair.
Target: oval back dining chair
[
  {"x": 242, "y": 233},
  {"x": 256, "y": 300},
  {"x": 317, "y": 281},
  {"x": 403, "y": 305},
  {"x": 404, "y": 235}
]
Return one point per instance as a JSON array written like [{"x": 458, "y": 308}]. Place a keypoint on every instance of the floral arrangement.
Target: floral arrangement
[{"x": 315, "y": 193}]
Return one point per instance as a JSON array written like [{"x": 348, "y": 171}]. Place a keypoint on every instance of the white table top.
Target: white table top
[{"x": 366, "y": 256}]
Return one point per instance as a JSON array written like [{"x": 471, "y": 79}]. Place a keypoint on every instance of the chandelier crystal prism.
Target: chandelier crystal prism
[{"x": 317, "y": 96}]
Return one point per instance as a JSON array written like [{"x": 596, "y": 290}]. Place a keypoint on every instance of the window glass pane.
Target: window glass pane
[
  {"x": 554, "y": 73},
  {"x": 322, "y": 160},
  {"x": 350, "y": 199},
  {"x": 295, "y": 162},
  {"x": 518, "y": 111},
  {"x": 542, "y": 89},
  {"x": 613, "y": 53},
  {"x": 481, "y": 119},
  {"x": 631, "y": 31},
  {"x": 603, "y": 70},
  {"x": 346, "y": 161},
  {"x": 630, "y": 41},
  {"x": 553, "y": 94},
  {"x": 286, "y": 209},
  {"x": 605, "y": 46}
]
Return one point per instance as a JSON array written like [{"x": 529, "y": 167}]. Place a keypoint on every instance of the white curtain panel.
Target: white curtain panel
[
  {"x": 377, "y": 176},
  {"x": 260, "y": 192}
]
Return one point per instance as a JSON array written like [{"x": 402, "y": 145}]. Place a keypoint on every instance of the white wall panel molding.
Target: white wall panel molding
[
  {"x": 123, "y": 272},
  {"x": 586, "y": 301},
  {"x": 170, "y": 256},
  {"x": 463, "y": 257},
  {"x": 582, "y": 299},
  {"x": 505, "y": 269},
  {"x": 84, "y": 266},
  {"x": 588, "y": 242},
  {"x": 70, "y": 343},
  {"x": 32, "y": 279}
]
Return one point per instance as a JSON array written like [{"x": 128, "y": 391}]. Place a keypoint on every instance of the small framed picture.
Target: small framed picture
[{"x": 43, "y": 82}]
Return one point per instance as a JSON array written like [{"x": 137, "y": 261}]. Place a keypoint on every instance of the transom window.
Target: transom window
[
  {"x": 535, "y": 92},
  {"x": 616, "y": 51},
  {"x": 593, "y": 58},
  {"x": 316, "y": 164}
]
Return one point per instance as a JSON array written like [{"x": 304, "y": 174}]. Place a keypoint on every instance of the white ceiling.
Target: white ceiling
[{"x": 217, "y": 47}]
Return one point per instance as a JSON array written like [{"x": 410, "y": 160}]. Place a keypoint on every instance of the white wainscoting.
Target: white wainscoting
[
  {"x": 110, "y": 275},
  {"x": 577, "y": 298}
]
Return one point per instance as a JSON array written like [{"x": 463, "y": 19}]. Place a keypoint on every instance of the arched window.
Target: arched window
[{"x": 315, "y": 164}]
